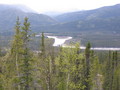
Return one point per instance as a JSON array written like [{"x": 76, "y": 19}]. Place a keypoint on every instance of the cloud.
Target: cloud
[{"x": 62, "y": 5}]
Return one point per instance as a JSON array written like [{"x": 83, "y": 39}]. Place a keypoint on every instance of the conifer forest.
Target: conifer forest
[{"x": 55, "y": 68}]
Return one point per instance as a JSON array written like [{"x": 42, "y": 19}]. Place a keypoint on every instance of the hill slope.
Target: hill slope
[
  {"x": 8, "y": 15},
  {"x": 101, "y": 19},
  {"x": 105, "y": 18},
  {"x": 103, "y": 13}
]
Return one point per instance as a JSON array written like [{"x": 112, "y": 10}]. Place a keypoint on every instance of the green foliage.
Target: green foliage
[
  {"x": 70, "y": 68},
  {"x": 87, "y": 67},
  {"x": 26, "y": 66},
  {"x": 111, "y": 77},
  {"x": 56, "y": 68},
  {"x": 42, "y": 47}
]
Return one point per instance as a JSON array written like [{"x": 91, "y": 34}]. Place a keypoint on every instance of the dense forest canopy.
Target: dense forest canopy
[{"x": 56, "y": 68}]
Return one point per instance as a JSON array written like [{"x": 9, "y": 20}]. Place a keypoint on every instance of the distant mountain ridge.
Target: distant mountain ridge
[
  {"x": 106, "y": 18},
  {"x": 104, "y": 12},
  {"x": 9, "y": 13},
  {"x": 101, "y": 19}
]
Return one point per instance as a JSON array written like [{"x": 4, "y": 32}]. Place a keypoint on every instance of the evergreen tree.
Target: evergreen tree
[
  {"x": 42, "y": 46},
  {"x": 45, "y": 66},
  {"x": 95, "y": 73},
  {"x": 115, "y": 72},
  {"x": 61, "y": 85},
  {"x": 111, "y": 77},
  {"x": 87, "y": 67},
  {"x": 16, "y": 50},
  {"x": 107, "y": 73},
  {"x": 26, "y": 66},
  {"x": 70, "y": 67}
]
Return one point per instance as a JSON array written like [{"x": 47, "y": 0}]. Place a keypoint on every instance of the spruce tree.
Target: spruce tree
[
  {"x": 26, "y": 66},
  {"x": 70, "y": 69},
  {"x": 16, "y": 50},
  {"x": 111, "y": 76},
  {"x": 87, "y": 66},
  {"x": 107, "y": 73},
  {"x": 42, "y": 46}
]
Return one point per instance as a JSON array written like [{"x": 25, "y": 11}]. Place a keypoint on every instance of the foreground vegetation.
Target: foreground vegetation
[{"x": 49, "y": 68}]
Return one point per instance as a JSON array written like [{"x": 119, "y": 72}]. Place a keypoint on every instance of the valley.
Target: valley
[
  {"x": 101, "y": 26},
  {"x": 60, "y": 41},
  {"x": 69, "y": 51}
]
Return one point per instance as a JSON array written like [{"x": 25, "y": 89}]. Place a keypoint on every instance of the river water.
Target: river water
[{"x": 59, "y": 41}]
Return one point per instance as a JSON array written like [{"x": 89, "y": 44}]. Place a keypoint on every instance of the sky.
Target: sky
[{"x": 61, "y": 5}]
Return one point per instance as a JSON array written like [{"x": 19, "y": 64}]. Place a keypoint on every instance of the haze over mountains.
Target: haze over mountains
[
  {"x": 9, "y": 13},
  {"x": 17, "y": 7},
  {"x": 101, "y": 19}
]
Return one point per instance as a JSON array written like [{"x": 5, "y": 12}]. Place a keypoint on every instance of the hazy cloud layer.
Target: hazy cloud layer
[{"x": 61, "y": 5}]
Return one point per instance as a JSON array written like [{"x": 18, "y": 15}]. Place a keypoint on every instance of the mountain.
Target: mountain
[
  {"x": 9, "y": 13},
  {"x": 101, "y": 19},
  {"x": 52, "y": 13},
  {"x": 103, "y": 13}
]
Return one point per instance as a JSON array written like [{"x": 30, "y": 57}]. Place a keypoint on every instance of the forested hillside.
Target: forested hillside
[
  {"x": 59, "y": 68},
  {"x": 106, "y": 12},
  {"x": 101, "y": 19},
  {"x": 9, "y": 13}
]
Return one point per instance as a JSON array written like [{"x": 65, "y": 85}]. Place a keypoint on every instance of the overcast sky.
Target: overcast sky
[{"x": 61, "y": 5}]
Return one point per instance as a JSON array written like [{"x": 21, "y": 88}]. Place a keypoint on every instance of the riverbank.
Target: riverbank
[{"x": 60, "y": 42}]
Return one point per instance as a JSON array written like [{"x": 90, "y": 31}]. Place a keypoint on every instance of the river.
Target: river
[{"x": 59, "y": 41}]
